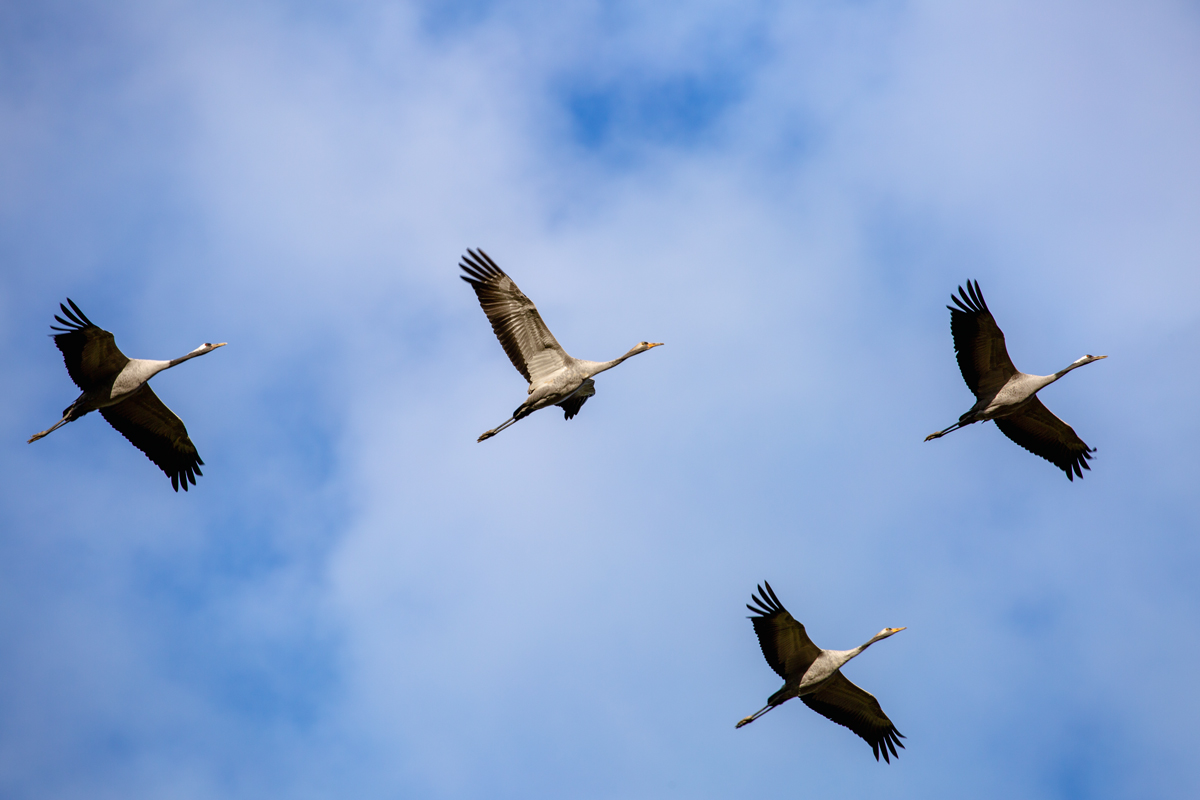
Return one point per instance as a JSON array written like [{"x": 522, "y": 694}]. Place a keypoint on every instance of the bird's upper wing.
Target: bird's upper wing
[
  {"x": 841, "y": 701},
  {"x": 531, "y": 347},
  {"x": 90, "y": 353},
  {"x": 572, "y": 404},
  {"x": 784, "y": 642},
  {"x": 154, "y": 429},
  {"x": 1040, "y": 432},
  {"x": 979, "y": 343}
]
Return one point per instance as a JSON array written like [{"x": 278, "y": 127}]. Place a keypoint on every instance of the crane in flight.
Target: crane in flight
[
  {"x": 117, "y": 386},
  {"x": 1005, "y": 395},
  {"x": 814, "y": 675},
  {"x": 555, "y": 378}
]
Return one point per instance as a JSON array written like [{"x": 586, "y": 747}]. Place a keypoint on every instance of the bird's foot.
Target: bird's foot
[
  {"x": 937, "y": 435},
  {"x": 746, "y": 721},
  {"x": 36, "y": 436},
  {"x": 487, "y": 435}
]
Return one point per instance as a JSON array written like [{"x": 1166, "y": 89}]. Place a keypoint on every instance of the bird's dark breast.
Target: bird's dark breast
[
  {"x": 787, "y": 692},
  {"x": 76, "y": 410}
]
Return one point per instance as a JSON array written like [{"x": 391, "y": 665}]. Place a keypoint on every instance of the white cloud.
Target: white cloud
[{"x": 359, "y": 599}]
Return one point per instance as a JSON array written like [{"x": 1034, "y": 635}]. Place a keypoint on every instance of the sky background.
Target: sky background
[{"x": 357, "y": 600}]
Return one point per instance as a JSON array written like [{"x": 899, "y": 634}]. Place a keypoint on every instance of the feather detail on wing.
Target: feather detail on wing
[
  {"x": 784, "y": 642},
  {"x": 841, "y": 701},
  {"x": 979, "y": 343},
  {"x": 1040, "y": 432},
  {"x": 515, "y": 320},
  {"x": 154, "y": 429},
  {"x": 90, "y": 353}
]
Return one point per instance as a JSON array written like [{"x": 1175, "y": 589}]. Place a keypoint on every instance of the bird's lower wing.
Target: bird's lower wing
[
  {"x": 1040, "y": 432},
  {"x": 572, "y": 404},
  {"x": 841, "y": 701},
  {"x": 155, "y": 430}
]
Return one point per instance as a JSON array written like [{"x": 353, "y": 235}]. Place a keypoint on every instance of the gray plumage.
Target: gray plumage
[
  {"x": 117, "y": 386},
  {"x": 814, "y": 675},
  {"x": 555, "y": 378},
  {"x": 1006, "y": 395}
]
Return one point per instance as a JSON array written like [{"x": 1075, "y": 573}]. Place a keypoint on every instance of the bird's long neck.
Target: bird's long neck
[
  {"x": 845, "y": 655},
  {"x": 144, "y": 369},
  {"x": 838, "y": 658},
  {"x": 1067, "y": 369},
  {"x": 177, "y": 361},
  {"x": 1042, "y": 381},
  {"x": 596, "y": 367}
]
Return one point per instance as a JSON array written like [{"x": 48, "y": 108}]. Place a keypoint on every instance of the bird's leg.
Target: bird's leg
[
  {"x": 754, "y": 716},
  {"x": 940, "y": 434},
  {"x": 497, "y": 429},
  {"x": 66, "y": 418}
]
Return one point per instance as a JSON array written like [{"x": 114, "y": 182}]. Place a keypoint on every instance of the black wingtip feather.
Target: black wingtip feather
[
  {"x": 480, "y": 267},
  {"x": 969, "y": 300},
  {"x": 78, "y": 311},
  {"x": 766, "y": 600},
  {"x": 772, "y": 591},
  {"x": 75, "y": 320}
]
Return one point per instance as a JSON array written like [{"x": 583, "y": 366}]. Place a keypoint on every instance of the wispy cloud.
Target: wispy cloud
[{"x": 358, "y": 599}]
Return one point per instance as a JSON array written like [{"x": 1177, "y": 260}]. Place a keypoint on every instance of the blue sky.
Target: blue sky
[{"x": 359, "y": 600}]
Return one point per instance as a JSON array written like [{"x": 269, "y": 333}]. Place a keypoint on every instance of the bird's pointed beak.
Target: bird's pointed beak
[
  {"x": 897, "y": 630},
  {"x": 656, "y": 344},
  {"x": 219, "y": 344}
]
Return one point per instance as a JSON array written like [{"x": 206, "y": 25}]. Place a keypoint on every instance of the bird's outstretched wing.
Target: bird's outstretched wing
[
  {"x": 89, "y": 352},
  {"x": 784, "y": 642},
  {"x": 841, "y": 701},
  {"x": 572, "y": 404},
  {"x": 154, "y": 429},
  {"x": 531, "y": 347},
  {"x": 1040, "y": 432},
  {"x": 979, "y": 343}
]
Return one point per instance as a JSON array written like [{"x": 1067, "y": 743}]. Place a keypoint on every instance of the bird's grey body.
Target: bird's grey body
[
  {"x": 815, "y": 675},
  {"x": 1013, "y": 397},
  {"x": 824, "y": 667},
  {"x": 1005, "y": 394},
  {"x": 555, "y": 378},
  {"x": 118, "y": 387}
]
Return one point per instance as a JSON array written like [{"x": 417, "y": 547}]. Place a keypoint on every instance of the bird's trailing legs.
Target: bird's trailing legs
[
  {"x": 497, "y": 429},
  {"x": 754, "y": 716},
  {"x": 940, "y": 434},
  {"x": 66, "y": 418}
]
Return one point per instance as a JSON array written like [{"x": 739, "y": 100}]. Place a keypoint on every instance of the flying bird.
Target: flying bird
[
  {"x": 814, "y": 675},
  {"x": 555, "y": 378},
  {"x": 118, "y": 387},
  {"x": 1006, "y": 395}
]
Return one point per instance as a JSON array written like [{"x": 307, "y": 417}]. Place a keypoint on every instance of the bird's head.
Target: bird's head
[
  {"x": 207, "y": 347},
  {"x": 642, "y": 347},
  {"x": 886, "y": 632},
  {"x": 1087, "y": 360}
]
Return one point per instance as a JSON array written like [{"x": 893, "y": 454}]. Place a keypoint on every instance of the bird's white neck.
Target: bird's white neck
[
  {"x": 1073, "y": 365},
  {"x": 846, "y": 655},
  {"x": 199, "y": 351},
  {"x": 592, "y": 368},
  {"x": 147, "y": 368},
  {"x": 139, "y": 370},
  {"x": 1042, "y": 381}
]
